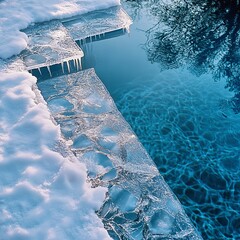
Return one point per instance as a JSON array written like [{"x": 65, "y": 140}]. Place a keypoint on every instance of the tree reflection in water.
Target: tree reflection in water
[{"x": 202, "y": 34}]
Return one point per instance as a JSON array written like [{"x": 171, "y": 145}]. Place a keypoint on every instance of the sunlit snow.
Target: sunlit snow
[{"x": 16, "y": 15}]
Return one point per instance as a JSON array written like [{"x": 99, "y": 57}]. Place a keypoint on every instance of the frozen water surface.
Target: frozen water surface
[
  {"x": 98, "y": 24},
  {"x": 139, "y": 204}
]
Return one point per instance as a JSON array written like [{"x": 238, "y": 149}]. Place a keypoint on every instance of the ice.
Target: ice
[
  {"x": 98, "y": 25},
  {"x": 98, "y": 163},
  {"x": 50, "y": 50},
  {"x": 161, "y": 222},
  {"x": 139, "y": 203},
  {"x": 59, "y": 104},
  {"x": 81, "y": 141}
]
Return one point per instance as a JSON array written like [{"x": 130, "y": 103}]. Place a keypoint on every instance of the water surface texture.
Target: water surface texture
[{"x": 175, "y": 80}]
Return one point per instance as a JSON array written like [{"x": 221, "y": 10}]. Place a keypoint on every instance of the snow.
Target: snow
[
  {"x": 43, "y": 195},
  {"x": 16, "y": 15},
  {"x": 44, "y": 192}
]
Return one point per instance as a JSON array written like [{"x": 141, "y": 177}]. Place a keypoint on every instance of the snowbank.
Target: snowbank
[
  {"x": 43, "y": 195},
  {"x": 19, "y": 14}
]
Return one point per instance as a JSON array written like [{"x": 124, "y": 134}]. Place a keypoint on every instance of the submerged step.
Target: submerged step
[
  {"x": 51, "y": 51},
  {"x": 139, "y": 203},
  {"x": 98, "y": 25}
]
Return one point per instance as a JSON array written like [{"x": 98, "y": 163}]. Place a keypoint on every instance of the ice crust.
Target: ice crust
[
  {"x": 139, "y": 204},
  {"x": 50, "y": 44},
  {"x": 96, "y": 25}
]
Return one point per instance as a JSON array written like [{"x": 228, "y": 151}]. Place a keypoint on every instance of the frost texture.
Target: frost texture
[
  {"x": 49, "y": 44},
  {"x": 92, "y": 25},
  {"x": 139, "y": 204}
]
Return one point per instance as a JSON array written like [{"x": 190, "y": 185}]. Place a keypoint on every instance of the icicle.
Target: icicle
[
  {"x": 80, "y": 63},
  {"x": 68, "y": 66},
  {"x": 79, "y": 67},
  {"x": 74, "y": 63},
  {"x": 62, "y": 65},
  {"x": 127, "y": 30},
  {"x": 77, "y": 64},
  {"x": 39, "y": 69},
  {"x": 49, "y": 70}
]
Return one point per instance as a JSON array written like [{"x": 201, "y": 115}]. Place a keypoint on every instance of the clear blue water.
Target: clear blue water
[{"x": 186, "y": 120}]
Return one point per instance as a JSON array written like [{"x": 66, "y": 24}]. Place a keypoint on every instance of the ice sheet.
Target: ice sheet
[
  {"x": 96, "y": 25},
  {"x": 139, "y": 204}
]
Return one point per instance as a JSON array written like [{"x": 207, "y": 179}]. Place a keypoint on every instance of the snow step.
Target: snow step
[
  {"x": 98, "y": 25},
  {"x": 139, "y": 203},
  {"x": 51, "y": 51}
]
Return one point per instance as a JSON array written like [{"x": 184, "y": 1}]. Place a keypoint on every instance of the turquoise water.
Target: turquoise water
[{"x": 186, "y": 120}]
